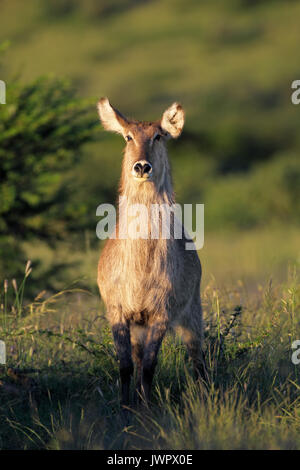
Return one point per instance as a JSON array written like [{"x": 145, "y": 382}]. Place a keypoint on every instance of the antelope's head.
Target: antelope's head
[{"x": 145, "y": 158}]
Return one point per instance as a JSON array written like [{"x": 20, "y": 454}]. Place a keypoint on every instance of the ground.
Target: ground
[{"x": 60, "y": 386}]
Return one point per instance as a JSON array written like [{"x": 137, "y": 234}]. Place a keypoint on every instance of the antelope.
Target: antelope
[{"x": 148, "y": 285}]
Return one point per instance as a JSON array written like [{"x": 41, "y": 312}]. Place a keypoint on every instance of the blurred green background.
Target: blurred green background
[{"x": 229, "y": 62}]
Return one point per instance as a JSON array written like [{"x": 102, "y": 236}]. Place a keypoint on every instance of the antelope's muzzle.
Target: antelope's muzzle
[{"x": 142, "y": 170}]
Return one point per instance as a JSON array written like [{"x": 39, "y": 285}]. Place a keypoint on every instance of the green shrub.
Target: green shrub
[{"x": 43, "y": 127}]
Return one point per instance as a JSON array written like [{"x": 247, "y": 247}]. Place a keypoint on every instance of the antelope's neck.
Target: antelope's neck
[{"x": 137, "y": 211}]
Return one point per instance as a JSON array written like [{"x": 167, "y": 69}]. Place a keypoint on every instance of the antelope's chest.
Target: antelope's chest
[{"x": 141, "y": 277}]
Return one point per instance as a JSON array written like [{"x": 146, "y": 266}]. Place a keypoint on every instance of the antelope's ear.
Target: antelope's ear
[
  {"x": 172, "y": 120},
  {"x": 111, "y": 118}
]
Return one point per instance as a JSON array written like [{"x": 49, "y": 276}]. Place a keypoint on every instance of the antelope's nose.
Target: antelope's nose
[{"x": 142, "y": 169}]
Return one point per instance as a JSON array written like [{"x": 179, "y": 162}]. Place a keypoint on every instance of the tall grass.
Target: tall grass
[{"x": 59, "y": 388}]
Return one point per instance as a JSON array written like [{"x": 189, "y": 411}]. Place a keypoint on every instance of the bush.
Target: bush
[{"x": 42, "y": 130}]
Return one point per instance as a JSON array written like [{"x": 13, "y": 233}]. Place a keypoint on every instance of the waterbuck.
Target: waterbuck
[{"x": 149, "y": 285}]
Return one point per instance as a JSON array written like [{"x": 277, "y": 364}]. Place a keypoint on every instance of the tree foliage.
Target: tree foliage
[{"x": 43, "y": 127}]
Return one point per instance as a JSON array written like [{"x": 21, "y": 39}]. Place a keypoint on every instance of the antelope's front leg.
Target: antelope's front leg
[
  {"x": 154, "y": 339},
  {"x": 121, "y": 334}
]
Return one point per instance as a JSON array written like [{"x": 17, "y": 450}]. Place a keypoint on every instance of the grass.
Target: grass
[{"x": 59, "y": 388}]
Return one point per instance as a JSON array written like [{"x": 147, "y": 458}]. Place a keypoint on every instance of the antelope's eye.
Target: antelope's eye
[
  {"x": 157, "y": 137},
  {"x": 128, "y": 138}
]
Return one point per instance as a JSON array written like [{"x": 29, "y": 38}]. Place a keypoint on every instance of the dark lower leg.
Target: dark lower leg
[
  {"x": 121, "y": 336},
  {"x": 125, "y": 375},
  {"x": 137, "y": 356},
  {"x": 153, "y": 341},
  {"x": 147, "y": 379}
]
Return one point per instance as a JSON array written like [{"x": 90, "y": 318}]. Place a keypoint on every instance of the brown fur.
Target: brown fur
[{"x": 148, "y": 285}]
